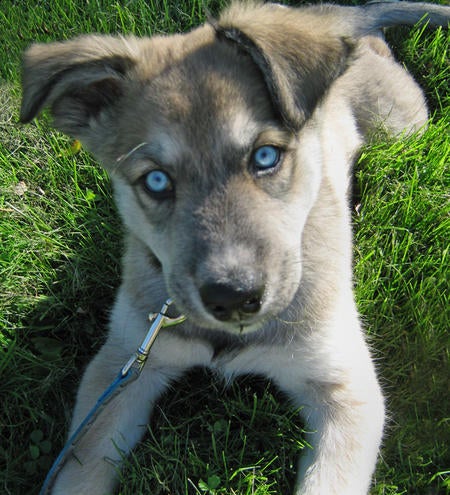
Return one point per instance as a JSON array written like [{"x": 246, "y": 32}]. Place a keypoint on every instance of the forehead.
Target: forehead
[{"x": 212, "y": 97}]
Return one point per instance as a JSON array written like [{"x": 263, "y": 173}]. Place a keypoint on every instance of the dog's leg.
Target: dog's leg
[
  {"x": 330, "y": 376},
  {"x": 92, "y": 469},
  {"x": 347, "y": 430},
  {"x": 382, "y": 94},
  {"x": 344, "y": 410}
]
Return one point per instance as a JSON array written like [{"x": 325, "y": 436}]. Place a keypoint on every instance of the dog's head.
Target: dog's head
[{"x": 207, "y": 139}]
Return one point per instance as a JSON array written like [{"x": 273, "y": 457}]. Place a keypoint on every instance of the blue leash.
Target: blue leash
[{"x": 127, "y": 374}]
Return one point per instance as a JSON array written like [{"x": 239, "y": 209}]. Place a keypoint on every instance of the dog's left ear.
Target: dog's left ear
[{"x": 298, "y": 55}]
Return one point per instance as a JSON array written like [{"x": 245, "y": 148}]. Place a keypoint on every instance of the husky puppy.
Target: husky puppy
[{"x": 230, "y": 150}]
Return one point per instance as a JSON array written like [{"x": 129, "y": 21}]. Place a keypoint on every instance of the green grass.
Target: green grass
[{"x": 59, "y": 266}]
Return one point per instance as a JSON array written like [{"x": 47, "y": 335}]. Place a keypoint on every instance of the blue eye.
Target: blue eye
[
  {"x": 158, "y": 184},
  {"x": 266, "y": 157}
]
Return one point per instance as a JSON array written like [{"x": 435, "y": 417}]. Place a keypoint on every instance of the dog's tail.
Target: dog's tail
[{"x": 378, "y": 15}]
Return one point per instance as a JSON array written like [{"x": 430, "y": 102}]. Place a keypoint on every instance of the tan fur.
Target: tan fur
[{"x": 258, "y": 259}]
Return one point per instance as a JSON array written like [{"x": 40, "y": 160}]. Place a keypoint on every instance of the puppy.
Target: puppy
[{"x": 230, "y": 150}]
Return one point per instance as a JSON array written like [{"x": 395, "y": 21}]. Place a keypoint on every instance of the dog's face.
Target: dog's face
[
  {"x": 214, "y": 163},
  {"x": 217, "y": 189}
]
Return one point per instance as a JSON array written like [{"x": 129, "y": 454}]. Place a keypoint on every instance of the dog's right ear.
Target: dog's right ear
[
  {"x": 77, "y": 79},
  {"x": 299, "y": 55}
]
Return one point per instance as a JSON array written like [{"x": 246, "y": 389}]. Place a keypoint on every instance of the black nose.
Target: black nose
[{"x": 222, "y": 300}]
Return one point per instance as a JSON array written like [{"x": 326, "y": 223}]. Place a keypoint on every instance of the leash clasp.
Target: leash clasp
[{"x": 158, "y": 321}]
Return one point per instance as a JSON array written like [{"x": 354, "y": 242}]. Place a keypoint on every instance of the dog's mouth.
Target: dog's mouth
[{"x": 236, "y": 323}]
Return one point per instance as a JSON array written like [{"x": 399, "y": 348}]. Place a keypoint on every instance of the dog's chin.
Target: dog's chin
[
  {"x": 232, "y": 326},
  {"x": 238, "y": 326}
]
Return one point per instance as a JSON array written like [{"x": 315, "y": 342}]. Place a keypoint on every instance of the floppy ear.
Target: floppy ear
[
  {"x": 297, "y": 54},
  {"x": 77, "y": 79}
]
